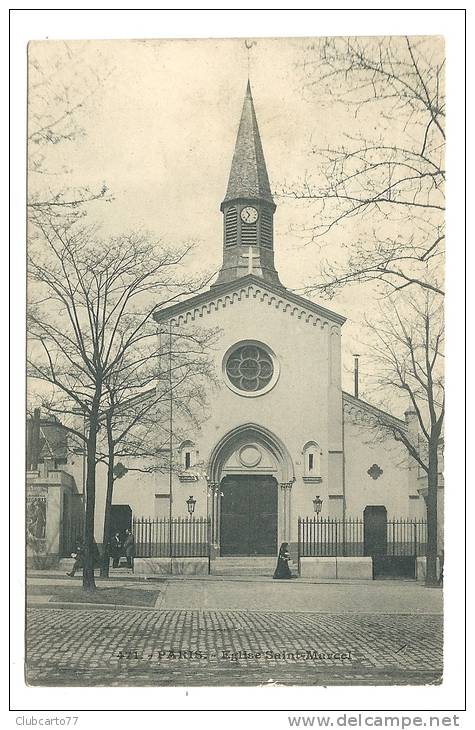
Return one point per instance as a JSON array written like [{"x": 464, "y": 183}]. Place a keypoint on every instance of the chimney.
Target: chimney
[
  {"x": 29, "y": 439},
  {"x": 356, "y": 375},
  {"x": 412, "y": 423},
  {"x": 33, "y": 442}
]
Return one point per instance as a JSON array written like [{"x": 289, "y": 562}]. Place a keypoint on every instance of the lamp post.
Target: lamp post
[
  {"x": 317, "y": 504},
  {"x": 190, "y": 503}
]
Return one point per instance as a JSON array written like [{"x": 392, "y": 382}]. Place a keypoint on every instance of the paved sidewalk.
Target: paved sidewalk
[
  {"x": 269, "y": 595},
  {"x": 264, "y": 594}
]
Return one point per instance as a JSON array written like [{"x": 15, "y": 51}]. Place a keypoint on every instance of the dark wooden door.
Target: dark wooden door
[
  {"x": 121, "y": 519},
  {"x": 249, "y": 515},
  {"x": 235, "y": 508},
  {"x": 375, "y": 530}
]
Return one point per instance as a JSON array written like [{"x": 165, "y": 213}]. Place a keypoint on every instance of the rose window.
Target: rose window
[{"x": 249, "y": 368}]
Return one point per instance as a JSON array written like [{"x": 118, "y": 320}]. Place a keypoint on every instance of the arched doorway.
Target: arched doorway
[
  {"x": 250, "y": 474},
  {"x": 249, "y": 515}
]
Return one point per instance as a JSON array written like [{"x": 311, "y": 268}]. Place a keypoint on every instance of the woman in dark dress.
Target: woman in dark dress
[{"x": 282, "y": 570}]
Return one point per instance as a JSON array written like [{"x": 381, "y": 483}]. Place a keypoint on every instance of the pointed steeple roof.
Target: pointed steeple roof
[{"x": 248, "y": 177}]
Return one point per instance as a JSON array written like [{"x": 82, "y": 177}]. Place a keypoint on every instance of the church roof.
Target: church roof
[
  {"x": 356, "y": 403},
  {"x": 248, "y": 177},
  {"x": 280, "y": 294}
]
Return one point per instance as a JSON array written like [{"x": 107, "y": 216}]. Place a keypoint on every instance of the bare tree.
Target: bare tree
[
  {"x": 380, "y": 193},
  {"x": 136, "y": 422},
  {"x": 407, "y": 359},
  {"x": 90, "y": 311},
  {"x": 377, "y": 200},
  {"x": 64, "y": 80}
]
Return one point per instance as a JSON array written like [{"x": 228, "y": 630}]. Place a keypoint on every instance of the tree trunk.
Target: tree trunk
[
  {"x": 88, "y": 582},
  {"x": 432, "y": 486},
  {"x": 106, "y": 536}
]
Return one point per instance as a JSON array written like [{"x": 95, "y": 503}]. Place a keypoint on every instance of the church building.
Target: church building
[
  {"x": 282, "y": 439},
  {"x": 281, "y": 431}
]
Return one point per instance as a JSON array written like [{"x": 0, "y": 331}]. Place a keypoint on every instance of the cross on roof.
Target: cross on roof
[{"x": 251, "y": 256}]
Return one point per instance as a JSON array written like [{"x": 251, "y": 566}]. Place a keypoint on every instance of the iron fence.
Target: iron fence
[
  {"x": 327, "y": 537},
  {"x": 73, "y": 535},
  {"x": 183, "y": 537}
]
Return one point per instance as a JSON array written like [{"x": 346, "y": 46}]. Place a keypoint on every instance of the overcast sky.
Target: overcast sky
[{"x": 160, "y": 133}]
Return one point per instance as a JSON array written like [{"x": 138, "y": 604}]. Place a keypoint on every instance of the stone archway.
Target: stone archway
[{"x": 251, "y": 456}]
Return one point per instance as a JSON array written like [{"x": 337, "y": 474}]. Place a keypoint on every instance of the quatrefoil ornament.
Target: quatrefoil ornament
[{"x": 375, "y": 471}]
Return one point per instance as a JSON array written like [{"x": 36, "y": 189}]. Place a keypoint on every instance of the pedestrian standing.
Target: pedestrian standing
[
  {"x": 116, "y": 549},
  {"x": 282, "y": 569},
  {"x": 129, "y": 547}
]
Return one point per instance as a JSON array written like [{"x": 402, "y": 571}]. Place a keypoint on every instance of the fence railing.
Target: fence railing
[
  {"x": 183, "y": 537},
  {"x": 73, "y": 535},
  {"x": 327, "y": 537}
]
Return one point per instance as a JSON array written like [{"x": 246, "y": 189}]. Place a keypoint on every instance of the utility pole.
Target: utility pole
[
  {"x": 356, "y": 375},
  {"x": 170, "y": 455}
]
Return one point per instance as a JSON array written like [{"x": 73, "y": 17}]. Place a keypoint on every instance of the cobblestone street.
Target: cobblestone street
[{"x": 77, "y": 646}]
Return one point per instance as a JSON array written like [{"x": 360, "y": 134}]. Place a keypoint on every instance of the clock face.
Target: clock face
[{"x": 249, "y": 214}]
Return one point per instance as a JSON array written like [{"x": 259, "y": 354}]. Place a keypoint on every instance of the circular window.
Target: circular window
[{"x": 250, "y": 368}]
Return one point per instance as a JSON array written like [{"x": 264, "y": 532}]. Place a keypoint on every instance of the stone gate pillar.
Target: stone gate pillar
[
  {"x": 215, "y": 504},
  {"x": 286, "y": 488}
]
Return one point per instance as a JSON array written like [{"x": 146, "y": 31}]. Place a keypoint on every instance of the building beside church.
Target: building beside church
[{"x": 281, "y": 432}]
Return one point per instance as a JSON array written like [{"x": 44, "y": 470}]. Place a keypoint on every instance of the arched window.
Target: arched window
[
  {"x": 187, "y": 455},
  {"x": 312, "y": 462}
]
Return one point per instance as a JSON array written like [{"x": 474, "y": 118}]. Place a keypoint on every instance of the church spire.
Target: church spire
[
  {"x": 248, "y": 206},
  {"x": 248, "y": 177}
]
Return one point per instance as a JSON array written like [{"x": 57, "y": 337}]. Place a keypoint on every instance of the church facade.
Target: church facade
[
  {"x": 281, "y": 435},
  {"x": 281, "y": 431}
]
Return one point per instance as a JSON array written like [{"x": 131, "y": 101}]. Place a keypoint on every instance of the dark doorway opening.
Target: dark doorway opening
[
  {"x": 121, "y": 519},
  {"x": 387, "y": 564},
  {"x": 375, "y": 530},
  {"x": 249, "y": 515},
  {"x": 393, "y": 567}
]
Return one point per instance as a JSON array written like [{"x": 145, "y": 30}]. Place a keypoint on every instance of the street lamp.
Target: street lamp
[
  {"x": 317, "y": 504},
  {"x": 190, "y": 503}
]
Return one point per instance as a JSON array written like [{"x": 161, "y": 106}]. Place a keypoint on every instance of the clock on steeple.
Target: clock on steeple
[
  {"x": 248, "y": 207},
  {"x": 249, "y": 214}
]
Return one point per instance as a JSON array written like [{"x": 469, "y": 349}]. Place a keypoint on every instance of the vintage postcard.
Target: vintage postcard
[{"x": 235, "y": 421}]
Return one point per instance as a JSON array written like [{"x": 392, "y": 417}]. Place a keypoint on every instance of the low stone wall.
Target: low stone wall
[
  {"x": 149, "y": 567},
  {"x": 337, "y": 568},
  {"x": 355, "y": 568},
  {"x": 318, "y": 568},
  {"x": 421, "y": 564},
  {"x": 42, "y": 562}
]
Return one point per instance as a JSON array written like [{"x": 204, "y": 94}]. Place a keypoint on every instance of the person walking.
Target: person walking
[
  {"x": 282, "y": 569},
  {"x": 129, "y": 547},
  {"x": 78, "y": 560},
  {"x": 80, "y": 556}
]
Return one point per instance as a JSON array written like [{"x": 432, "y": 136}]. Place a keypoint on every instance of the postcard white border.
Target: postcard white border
[{"x": 115, "y": 23}]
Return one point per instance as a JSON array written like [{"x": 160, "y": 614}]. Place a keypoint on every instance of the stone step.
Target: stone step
[
  {"x": 260, "y": 566},
  {"x": 244, "y": 559}
]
